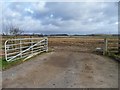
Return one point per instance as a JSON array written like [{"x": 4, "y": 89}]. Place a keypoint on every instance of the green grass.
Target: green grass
[
  {"x": 1, "y": 46},
  {"x": 0, "y": 63},
  {"x": 6, "y": 65},
  {"x": 114, "y": 56}
]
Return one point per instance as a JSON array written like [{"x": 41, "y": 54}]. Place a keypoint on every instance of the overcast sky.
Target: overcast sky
[{"x": 62, "y": 17}]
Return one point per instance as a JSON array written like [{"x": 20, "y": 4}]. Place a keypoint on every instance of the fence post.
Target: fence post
[
  {"x": 46, "y": 44},
  {"x": 119, "y": 44},
  {"x": 105, "y": 46}
]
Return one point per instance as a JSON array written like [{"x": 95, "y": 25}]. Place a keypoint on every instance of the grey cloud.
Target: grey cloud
[{"x": 63, "y": 17}]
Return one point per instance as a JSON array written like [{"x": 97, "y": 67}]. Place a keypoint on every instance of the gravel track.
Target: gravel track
[{"x": 63, "y": 69}]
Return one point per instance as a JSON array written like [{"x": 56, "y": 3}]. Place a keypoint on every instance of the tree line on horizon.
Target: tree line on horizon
[{"x": 13, "y": 30}]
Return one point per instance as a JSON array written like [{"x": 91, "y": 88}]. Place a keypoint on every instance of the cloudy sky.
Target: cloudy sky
[{"x": 62, "y": 17}]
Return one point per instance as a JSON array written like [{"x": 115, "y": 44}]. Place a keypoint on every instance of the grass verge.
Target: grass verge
[
  {"x": 6, "y": 65},
  {"x": 115, "y": 56},
  {"x": 0, "y": 63}
]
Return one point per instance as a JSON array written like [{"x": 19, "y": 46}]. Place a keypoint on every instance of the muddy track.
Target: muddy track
[{"x": 63, "y": 69}]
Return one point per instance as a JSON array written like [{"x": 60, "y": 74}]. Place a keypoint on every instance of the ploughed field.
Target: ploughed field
[
  {"x": 80, "y": 43},
  {"x": 69, "y": 64}
]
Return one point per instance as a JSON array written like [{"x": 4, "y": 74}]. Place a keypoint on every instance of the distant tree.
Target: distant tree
[
  {"x": 59, "y": 35},
  {"x": 41, "y": 35},
  {"x": 10, "y": 29},
  {"x": 3, "y": 34},
  {"x": 15, "y": 31}
]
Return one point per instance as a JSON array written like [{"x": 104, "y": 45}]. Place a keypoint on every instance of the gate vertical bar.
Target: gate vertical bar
[{"x": 21, "y": 48}]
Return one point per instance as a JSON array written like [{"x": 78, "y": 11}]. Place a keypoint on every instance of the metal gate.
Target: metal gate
[{"x": 24, "y": 48}]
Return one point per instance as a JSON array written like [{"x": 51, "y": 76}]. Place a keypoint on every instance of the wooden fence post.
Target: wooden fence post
[
  {"x": 119, "y": 44},
  {"x": 32, "y": 44},
  {"x": 105, "y": 46}
]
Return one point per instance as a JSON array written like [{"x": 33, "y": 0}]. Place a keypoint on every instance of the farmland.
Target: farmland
[
  {"x": 87, "y": 44},
  {"x": 84, "y": 44},
  {"x": 70, "y": 63}
]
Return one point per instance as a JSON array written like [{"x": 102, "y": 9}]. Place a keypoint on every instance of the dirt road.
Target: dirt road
[{"x": 63, "y": 69}]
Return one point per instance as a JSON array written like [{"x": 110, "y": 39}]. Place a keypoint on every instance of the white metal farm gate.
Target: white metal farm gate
[{"x": 24, "y": 48}]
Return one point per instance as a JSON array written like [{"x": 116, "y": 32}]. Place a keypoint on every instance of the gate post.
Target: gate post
[
  {"x": 105, "y": 46},
  {"x": 32, "y": 45},
  {"x": 6, "y": 49},
  {"x": 118, "y": 43},
  {"x": 46, "y": 44}
]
